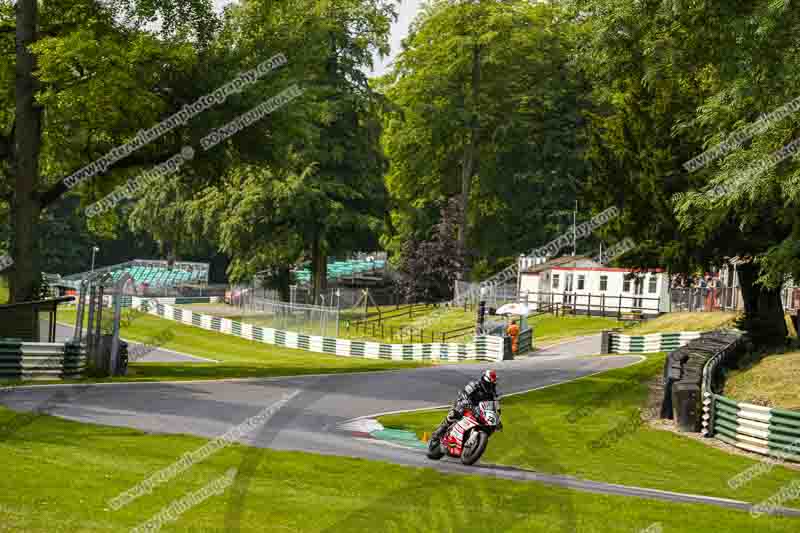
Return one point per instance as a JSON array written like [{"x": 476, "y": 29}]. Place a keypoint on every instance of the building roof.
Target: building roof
[
  {"x": 740, "y": 260},
  {"x": 602, "y": 268},
  {"x": 559, "y": 261},
  {"x": 581, "y": 262}
]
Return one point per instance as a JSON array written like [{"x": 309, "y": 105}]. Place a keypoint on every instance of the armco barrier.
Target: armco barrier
[
  {"x": 525, "y": 341},
  {"x": 755, "y": 428},
  {"x": 763, "y": 430},
  {"x": 483, "y": 348},
  {"x": 41, "y": 360},
  {"x": 108, "y": 300},
  {"x": 684, "y": 376},
  {"x": 655, "y": 342}
]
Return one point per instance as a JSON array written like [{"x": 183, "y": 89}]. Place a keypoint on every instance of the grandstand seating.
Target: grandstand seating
[
  {"x": 156, "y": 274},
  {"x": 160, "y": 277},
  {"x": 342, "y": 269}
]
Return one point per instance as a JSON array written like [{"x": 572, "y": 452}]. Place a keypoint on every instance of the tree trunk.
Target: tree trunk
[
  {"x": 470, "y": 158},
  {"x": 764, "y": 316},
  {"x": 284, "y": 277},
  {"x": 319, "y": 266},
  {"x": 26, "y": 204}
]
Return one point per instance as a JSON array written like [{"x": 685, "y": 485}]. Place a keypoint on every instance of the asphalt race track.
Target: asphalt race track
[{"x": 312, "y": 421}]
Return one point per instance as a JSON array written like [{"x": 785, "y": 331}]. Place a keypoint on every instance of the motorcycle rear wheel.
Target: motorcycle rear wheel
[
  {"x": 470, "y": 455},
  {"x": 435, "y": 449}
]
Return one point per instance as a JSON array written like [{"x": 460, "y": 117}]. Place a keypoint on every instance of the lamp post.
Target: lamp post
[{"x": 95, "y": 249}]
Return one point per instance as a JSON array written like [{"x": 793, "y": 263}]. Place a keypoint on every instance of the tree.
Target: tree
[
  {"x": 430, "y": 268},
  {"x": 68, "y": 54},
  {"x": 484, "y": 108},
  {"x": 317, "y": 188},
  {"x": 669, "y": 80}
]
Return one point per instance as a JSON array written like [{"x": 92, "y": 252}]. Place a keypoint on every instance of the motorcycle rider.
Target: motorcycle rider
[{"x": 482, "y": 390}]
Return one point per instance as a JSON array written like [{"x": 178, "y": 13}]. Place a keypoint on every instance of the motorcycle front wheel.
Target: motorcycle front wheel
[
  {"x": 474, "y": 447},
  {"x": 435, "y": 450}
]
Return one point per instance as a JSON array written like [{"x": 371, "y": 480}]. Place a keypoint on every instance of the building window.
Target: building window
[
  {"x": 603, "y": 283},
  {"x": 581, "y": 281},
  {"x": 652, "y": 287},
  {"x": 555, "y": 281},
  {"x": 626, "y": 285}
]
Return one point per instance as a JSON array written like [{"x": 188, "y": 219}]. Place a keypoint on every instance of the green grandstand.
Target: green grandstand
[
  {"x": 153, "y": 273},
  {"x": 342, "y": 269}
]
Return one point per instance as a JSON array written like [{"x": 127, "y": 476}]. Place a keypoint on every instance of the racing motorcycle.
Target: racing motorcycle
[{"x": 469, "y": 436}]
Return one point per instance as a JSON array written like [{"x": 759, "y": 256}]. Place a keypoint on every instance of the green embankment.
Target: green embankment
[
  {"x": 59, "y": 476},
  {"x": 537, "y": 434},
  {"x": 398, "y": 327},
  {"x": 772, "y": 382},
  {"x": 237, "y": 357},
  {"x": 675, "y": 322}
]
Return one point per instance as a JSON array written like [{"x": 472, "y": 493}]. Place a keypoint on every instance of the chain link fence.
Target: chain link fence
[
  {"x": 705, "y": 299},
  {"x": 261, "y": 307},
  {"x": 494, "y": 295}
]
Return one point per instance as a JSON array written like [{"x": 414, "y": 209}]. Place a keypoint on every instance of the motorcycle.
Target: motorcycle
[{"x": 468, "y": 437}]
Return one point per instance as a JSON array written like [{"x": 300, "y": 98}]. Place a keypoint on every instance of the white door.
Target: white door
[
  {"x": 568, "y": 289},
  {"x": 638, "y": 289}
]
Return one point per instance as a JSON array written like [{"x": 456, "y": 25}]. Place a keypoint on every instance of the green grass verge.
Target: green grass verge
[
  {"x": 537, "y": 433},
  {"x": 431, "y": 320},
  {"x": 58, "y": 476},
  {"x": 3, "y": 295},
  {"x": 772, "y": 382},
  {"x": 676, "y": 322},
  {"x": 549, "y": 328},
  {"x": 238, "y": 358}
]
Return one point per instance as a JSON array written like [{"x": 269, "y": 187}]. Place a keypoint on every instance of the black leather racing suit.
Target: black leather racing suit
[{"x": 469, "y": 398}]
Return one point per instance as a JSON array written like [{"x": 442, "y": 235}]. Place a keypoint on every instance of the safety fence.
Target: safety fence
[
  {"x": 525, "y": 341},
  {"x": 186, "y": 300},
  {"x": 108, "y": 300},
  {"x": 614, "y": 342},
  {"x": 686, "y": 376},
  {"x": 483, "y": 348},
  {"x": 755, "y": 428},
  {"x": 41, "y": 360},
  {"x": 705, "y": 299}
]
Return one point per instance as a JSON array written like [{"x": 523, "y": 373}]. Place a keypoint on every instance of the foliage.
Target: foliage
[
  {"x": 430, "y": 268},
  {"x": 671, "y": 79},
  {"x": 527, "y": 113}
]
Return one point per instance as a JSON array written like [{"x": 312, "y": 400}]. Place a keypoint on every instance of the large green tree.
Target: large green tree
[
  {"x": 87, "y": 77},
  {"x": 671, "y": 79},
  {"x": 313, "y": 186},
  {"x": 486, "y": 109}
]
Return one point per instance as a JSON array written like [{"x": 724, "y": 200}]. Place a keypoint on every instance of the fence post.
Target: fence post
[
  {"x": 619, "y": 308},
  {"x": 589, "y": 310},
  {"x": 605, "y": 344}
]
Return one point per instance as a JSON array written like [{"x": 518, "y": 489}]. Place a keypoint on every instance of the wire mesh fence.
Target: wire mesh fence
[
  {"x": 290, "y": 316},
  {"x": 705, "y": 299},
  {"x": 469, "y": 294}
]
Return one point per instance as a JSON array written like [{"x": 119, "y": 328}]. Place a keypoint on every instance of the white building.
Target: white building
[{"x": 588, "y": 287}]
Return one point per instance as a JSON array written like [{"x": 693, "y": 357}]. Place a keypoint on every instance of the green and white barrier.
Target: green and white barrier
[
  {"x": 184, "y": 300},
  {"x": 127, "y": 301},
  {"x": 655, "y": 342},
  {"x": 754, "y": 428},
  {"x": 483, "y": 348},
  {"x": 41, "y": 360}
]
